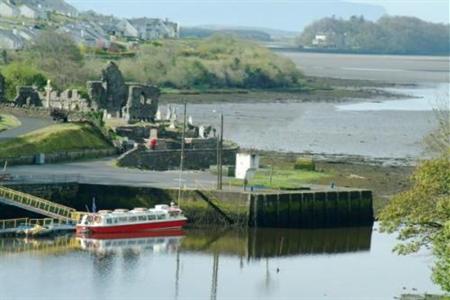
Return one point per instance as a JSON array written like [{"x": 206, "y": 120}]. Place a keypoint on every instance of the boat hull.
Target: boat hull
[{"x": 129, "y": 228}]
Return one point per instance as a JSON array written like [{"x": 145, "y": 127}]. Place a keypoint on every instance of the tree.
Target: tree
[
  {"x": 59, "y": 57},
  {"x": 21, "y": 74},
  {"x": 422, "y": 215}
]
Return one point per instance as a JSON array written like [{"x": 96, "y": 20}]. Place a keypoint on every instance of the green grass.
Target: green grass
[
  {"x": 8, "y": 122},
  {"x": 55, "y": 138},
  {"x": 282, "y": 178}
]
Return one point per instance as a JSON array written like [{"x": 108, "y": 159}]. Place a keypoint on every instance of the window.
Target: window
[
  {"x": 151, "y": 217},
  {"x": 161, "y": 217},
  {"x": 142, "y": 218},
  {"x": 132, "y": 219},
  {"x": 108, "y": 221}
]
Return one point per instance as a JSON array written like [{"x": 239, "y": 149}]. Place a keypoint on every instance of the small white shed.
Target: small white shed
[{"x": 244, "y": 162}]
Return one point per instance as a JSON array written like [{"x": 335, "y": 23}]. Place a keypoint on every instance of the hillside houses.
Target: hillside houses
[
  {"x": 148, "y": 28},
  {"x": 88, "y": 34},
  {"x": 10, "y": 40},
  {"x": 21, "y": 21},
  {"x": 10, "y": 9}
]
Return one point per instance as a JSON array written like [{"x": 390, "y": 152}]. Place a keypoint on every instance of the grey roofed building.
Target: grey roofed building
[
  {"x": 8, "y": 9},
  {"x": 88, "y": 34},
  {"x": 148, "y": 28},
  {"x": 11, "y": 40},
  {"x": 58, "y": 6}
]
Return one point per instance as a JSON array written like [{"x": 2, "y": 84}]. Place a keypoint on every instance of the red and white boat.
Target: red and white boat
[{"x": 160, "y": 217}]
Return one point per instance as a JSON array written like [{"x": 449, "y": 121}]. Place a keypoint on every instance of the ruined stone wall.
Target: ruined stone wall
[
  {"x": 142, "y": 103},
  {"x": 97, "y": 94},
  {"x": 2, "y": 89},
  {"x": 195, "y": 159},
  {"x": 27, "y": 96},
  {"x": 116, "y": 90}
]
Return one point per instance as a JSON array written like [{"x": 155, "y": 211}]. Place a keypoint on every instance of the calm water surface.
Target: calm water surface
[{"x": 353, "y": 263}]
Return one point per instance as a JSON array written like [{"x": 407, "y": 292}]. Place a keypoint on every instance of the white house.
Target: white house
[
  {"x": 148, "y": 28},
  {"x": 8, "y": 10},
  {"x": 125, "y": 28},
  {"x": 10, "y": 40},
  {"x": 246, "y": 162},
  {"x": 29, "y": 12}
]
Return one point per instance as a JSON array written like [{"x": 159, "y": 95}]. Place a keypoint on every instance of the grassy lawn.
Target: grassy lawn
[
  {"x": 282, "y": 178},
  {"x": 8, "y": 122},
  {"x": 55, "y": 138}
]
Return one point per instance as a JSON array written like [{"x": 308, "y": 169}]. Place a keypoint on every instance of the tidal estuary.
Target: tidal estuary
[{"x": 351, "y": 263}]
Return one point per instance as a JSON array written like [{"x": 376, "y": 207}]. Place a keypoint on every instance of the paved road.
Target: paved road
[
  {"x": 28, "y": 125},
  {"x": 104, "y": 172}
]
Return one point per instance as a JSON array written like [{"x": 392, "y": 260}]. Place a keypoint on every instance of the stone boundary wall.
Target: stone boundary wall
[
  {"x": 59, "y": 157},
  {"x": 33, "y": 112},
  {"x": 162, "y": 160}
]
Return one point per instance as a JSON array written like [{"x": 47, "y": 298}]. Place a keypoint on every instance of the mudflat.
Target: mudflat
[{"x": 386, "y": 68}]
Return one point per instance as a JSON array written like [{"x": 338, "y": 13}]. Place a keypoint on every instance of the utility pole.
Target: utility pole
[
  {"x": 183, "y": 135},
  {"x": 219, "y": 155}
]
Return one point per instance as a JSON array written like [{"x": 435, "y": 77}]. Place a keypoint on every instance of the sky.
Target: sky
[
  {"x": 430, "y": 10},
  {"x": 289, "y": 15}
]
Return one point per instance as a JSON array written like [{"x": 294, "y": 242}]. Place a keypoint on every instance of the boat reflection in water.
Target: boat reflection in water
[{"x": 164, "y": 241}]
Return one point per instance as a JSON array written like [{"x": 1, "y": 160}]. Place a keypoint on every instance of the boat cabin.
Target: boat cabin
[{"x": 137, "y": 215}]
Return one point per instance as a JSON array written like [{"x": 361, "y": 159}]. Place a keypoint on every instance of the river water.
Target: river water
[
  {"x": 351, "y": 263},
  {"x": 373, "y": 128}
]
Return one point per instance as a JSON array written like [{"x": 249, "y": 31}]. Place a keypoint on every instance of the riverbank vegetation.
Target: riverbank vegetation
[
  {"x": 218, "y": 62},
  {"x": 8, "y": 122},
  {"x": 55, "y": 138},
  {"x": 388, "y": 35},
  {"x": 421, "y": 214}
]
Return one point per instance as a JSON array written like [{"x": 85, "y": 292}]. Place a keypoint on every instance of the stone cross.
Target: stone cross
[
  {"x": 173, "y": 119},
  {"x": 48, "y": 92},
  {"x": 169, "y": 113}
]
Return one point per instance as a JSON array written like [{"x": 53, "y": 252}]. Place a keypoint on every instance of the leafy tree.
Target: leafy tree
[
  {"x": 21, "y": 74},
  {"x": 422, "y": 215},
  {"x": 399, "y": 35}
]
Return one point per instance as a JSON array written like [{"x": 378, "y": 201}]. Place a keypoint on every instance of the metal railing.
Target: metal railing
[
  {"x": 12, "y": 224},
  {"x": 35, "y": 204}
]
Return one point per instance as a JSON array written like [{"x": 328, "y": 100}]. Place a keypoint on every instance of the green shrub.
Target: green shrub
[
  {"x": 305, "y": 163},
  {"x": 21, "y": 74}
]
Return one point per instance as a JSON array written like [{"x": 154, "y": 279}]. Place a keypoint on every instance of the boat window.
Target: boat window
[
  {"x": 123, "y": 219},
  {"x": 132, "y": 219},
  {"x": 161, "y": 217},
  {"x": 108, "y": 221},
  {"x": 151, "y": 217},
  {"x": 115, "y": 220},
  {"x": 142, "y": 218}
]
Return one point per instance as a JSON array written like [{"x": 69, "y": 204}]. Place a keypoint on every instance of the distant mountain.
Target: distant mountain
[
  {"x": 247, "y": 34},
  {"x": 271, "y": 33}
]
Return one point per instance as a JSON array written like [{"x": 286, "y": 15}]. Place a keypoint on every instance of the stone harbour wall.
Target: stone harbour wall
[{"x": 58, "y": 157}]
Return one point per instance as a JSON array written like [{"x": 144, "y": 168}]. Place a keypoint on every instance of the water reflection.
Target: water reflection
[
  {"x": 131, "y": 245},
  {"x": 211, "y": 263},
  {"x": 248, "y": 243}
]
